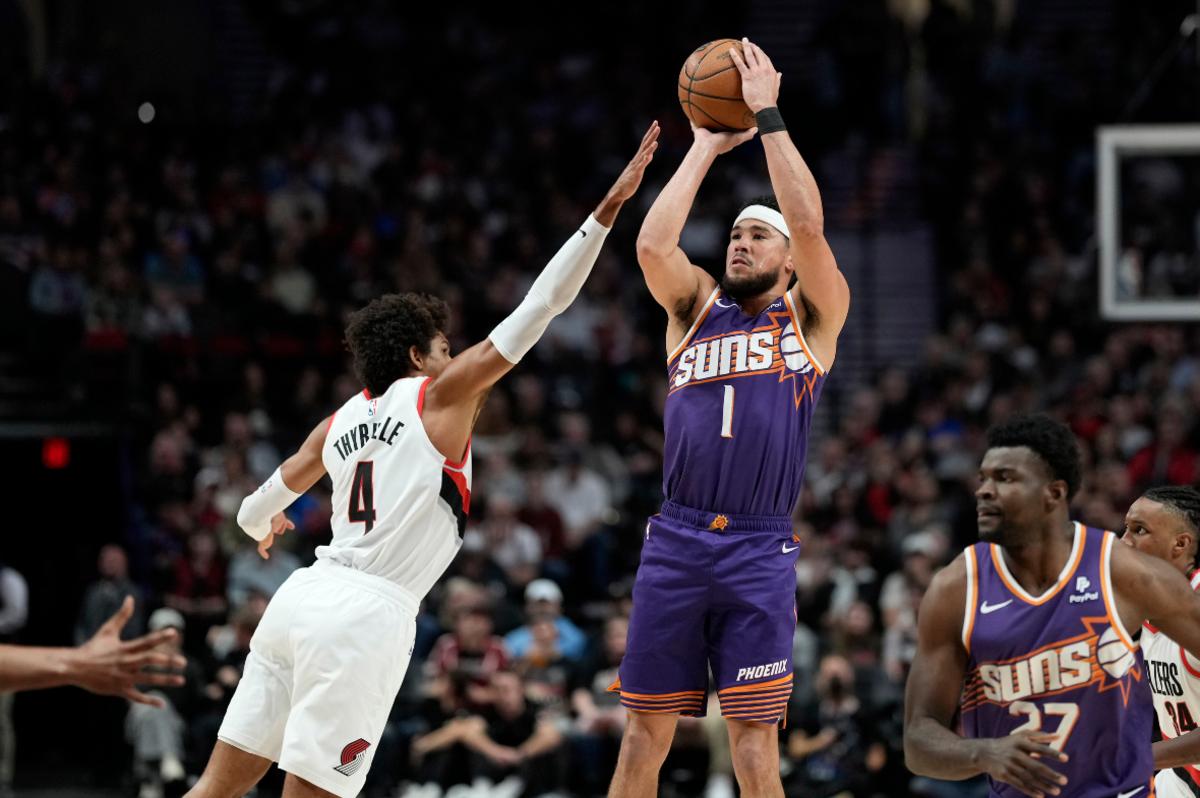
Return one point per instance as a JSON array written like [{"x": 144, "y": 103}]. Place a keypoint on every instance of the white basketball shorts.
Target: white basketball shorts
[{"x": 324, "y": 667}]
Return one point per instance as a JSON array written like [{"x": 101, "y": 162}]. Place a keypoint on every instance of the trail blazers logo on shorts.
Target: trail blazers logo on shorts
[{"x": 352, "y": 757}]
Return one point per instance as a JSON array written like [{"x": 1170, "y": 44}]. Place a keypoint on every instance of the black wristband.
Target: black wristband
[{"x": 769, "y": 120}]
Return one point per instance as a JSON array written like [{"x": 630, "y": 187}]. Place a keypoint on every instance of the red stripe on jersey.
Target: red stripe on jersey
[
  {"x": 460, "y": 481},
  {"x": 421, "y": 396},
  {"x": 366, "y": 394},
  {"x": 329, "y": 426}
]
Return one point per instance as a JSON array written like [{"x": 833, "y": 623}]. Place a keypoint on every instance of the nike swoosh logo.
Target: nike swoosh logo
[
  {"x": 721, "y": 304},
  {"x": 985, "y": 608},
  {"x": 583, "y": 233},
  {"x": 1130, "y": 793},
  {"x": 786, "y": 550}
]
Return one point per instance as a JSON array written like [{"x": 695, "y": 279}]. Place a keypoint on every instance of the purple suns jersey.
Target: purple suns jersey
[
  {"x": 741, "y": 395},
  {"x": 1061, "y": 663}
]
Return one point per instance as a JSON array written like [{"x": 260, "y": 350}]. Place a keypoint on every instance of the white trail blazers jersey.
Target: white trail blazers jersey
[
  {"x": 399, "y": 506},
  {"x": 1174, "y": 677}
]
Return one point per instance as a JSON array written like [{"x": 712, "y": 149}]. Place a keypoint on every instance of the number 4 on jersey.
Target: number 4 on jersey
[{"x": 362, "y": 495}]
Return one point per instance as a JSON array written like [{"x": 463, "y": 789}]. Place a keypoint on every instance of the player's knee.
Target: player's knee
[
  {"x": 754, "y": 753},
  {"x": 647, "y": 737}
]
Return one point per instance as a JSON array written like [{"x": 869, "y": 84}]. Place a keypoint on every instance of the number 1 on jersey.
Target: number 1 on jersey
[
  {"x": 362, "y": 496},
  {"x": 727, "y": 414}
]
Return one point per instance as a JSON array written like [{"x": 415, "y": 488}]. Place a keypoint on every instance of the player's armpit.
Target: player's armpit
[
  {"x": 1156, "y": 592},
  {"x": 935, "y": 681},
  {"x": 677, "y": 284}
]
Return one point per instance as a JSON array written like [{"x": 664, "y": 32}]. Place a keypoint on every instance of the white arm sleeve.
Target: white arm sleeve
[
  {"x": 260, "y": 507},
  {"x": 551, "y": 293}
]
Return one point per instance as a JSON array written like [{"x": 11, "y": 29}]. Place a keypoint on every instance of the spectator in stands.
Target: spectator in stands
[
  {"x": 105, "y": 596},
  {"x": 460, "y": 667},
  {"x": 543, "y": 601},
  {"x": 250, "y": 573},
  {"x": 157, "y": 733},
  {"x": 599, "y": 716},
  {"x": 198, "y": 591}
]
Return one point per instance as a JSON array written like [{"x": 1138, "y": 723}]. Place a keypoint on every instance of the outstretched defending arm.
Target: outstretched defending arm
[
  {"x": 105, "y": 664},
  {"x": 820, "y": 287},
  {"x": 453, "y": 399}
]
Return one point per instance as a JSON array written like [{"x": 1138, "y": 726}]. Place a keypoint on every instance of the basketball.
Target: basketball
[
  {"x": 710, "y": 88},
  {"x": 1113, "y": 655},
  {"x": 793, "y": 352}
]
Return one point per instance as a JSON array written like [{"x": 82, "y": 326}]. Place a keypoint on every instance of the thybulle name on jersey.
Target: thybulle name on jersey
[{"x": 358, "y": 436}]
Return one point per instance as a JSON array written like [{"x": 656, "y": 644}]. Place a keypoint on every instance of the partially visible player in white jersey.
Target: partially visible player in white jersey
[
  {"x": 331, "y": 650},
  {"x": 1165, "y": 523}
]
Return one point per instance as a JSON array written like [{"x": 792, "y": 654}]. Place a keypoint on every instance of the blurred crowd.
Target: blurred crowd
[{"x": 192, "y": 283}]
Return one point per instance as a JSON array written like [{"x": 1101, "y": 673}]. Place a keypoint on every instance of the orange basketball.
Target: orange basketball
[{"x": 710, "y": 88}]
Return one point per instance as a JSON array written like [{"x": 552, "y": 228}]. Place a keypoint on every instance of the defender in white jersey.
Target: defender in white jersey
[
  {"x": 1165, "y": 523},
  {"x": 328, "y": 657}
]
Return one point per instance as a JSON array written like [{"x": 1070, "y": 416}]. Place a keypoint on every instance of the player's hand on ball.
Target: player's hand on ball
[
  {"x": 631, "y": 177},
  {"x": 760, "y": 81},
  {"x": 1015, "y": 760},
  {"x": 722, "y": 142},
  {"x": 279, "y": 525}
]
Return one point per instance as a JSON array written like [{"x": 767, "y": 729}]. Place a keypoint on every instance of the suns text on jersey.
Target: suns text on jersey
[
  {"x": 356, "y": 437},
  {"x": 1045, "y": 672},
  {"x": 730, "y": 354}
]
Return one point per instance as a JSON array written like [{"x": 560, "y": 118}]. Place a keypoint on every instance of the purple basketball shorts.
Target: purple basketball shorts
[{"x": 715, "y": 592}]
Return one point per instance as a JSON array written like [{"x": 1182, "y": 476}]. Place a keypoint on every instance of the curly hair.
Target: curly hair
[
  {"x": 1183, "y": 500},
  {"x": 1050, "y": 440},
  {"x": 380, "y": 335}
]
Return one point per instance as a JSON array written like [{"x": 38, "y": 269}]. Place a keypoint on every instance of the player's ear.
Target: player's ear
[
  {"x": 416, "y": 357},
  {"x": 1056, "y": 490},
  {"x": 1184, "y": 542}
]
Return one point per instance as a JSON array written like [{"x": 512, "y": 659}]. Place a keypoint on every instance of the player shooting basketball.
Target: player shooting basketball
[{"x": 747, "y": 360}]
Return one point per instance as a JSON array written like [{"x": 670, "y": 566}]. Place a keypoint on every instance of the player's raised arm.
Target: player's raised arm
[
  {"x": 453, "y": 399},
  {"x": 931, "y": 699},
  {"x": 820, "y": 286},
  {"x": 675, "y": 282}
]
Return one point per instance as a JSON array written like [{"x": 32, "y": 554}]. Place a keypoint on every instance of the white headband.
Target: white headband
[{"x": 761, "y": 213}]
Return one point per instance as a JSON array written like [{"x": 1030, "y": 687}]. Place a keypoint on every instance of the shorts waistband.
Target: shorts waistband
[
  {"x": 375, "y": 584},
  {"x": 725, "y": 522}
]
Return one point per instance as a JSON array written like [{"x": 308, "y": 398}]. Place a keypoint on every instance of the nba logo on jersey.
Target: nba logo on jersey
[{"x": 372, "y": 407}]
